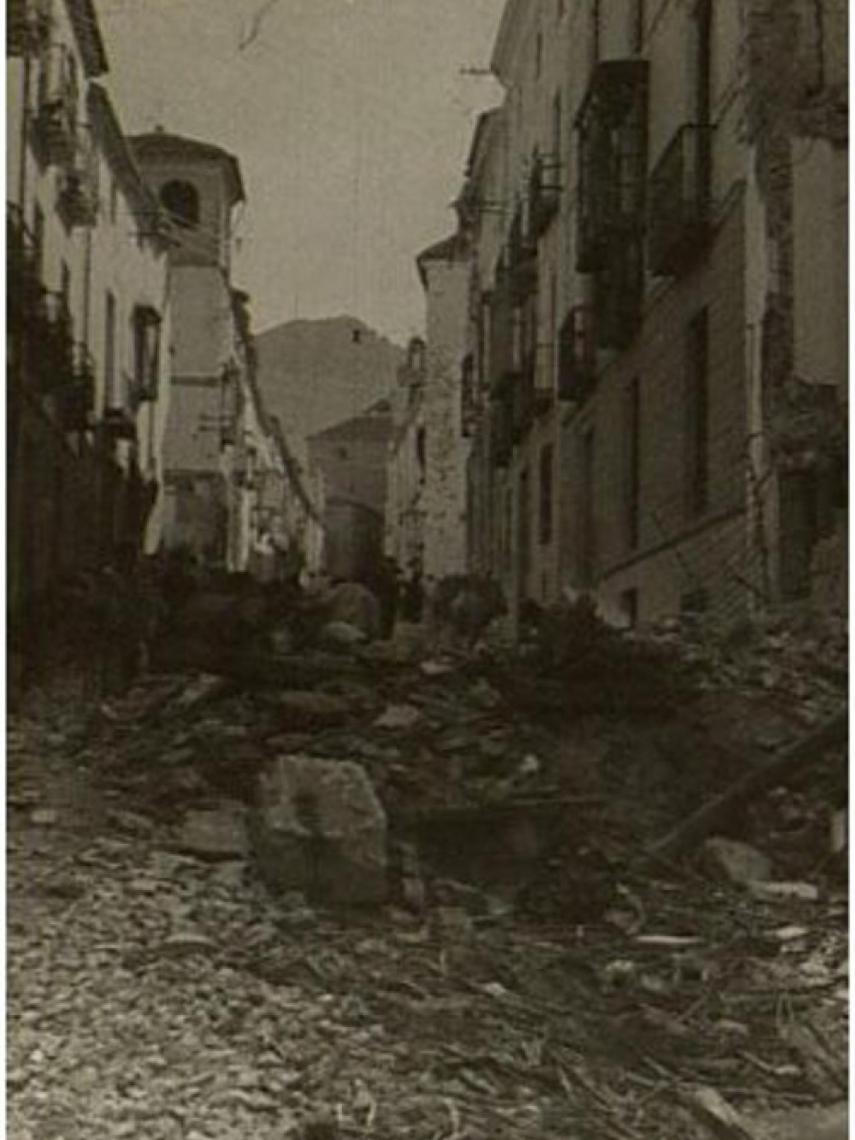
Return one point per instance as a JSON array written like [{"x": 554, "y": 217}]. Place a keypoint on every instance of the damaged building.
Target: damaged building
[{"x": 657, "y": 234}]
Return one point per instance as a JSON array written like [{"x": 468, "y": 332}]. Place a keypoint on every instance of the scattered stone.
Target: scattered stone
[
  {"x": 738, "y": 861},
  {"x": 44, "y": 817},
  {"x": 805, "y": 892},
  {"x": 353, "y": 604},
  {"x": 185, "y": 943},
  {"x": 132, "y": 822},
  {"x": 204, "y": 688},
  {"x": 312, "y": 710},
  {"x": 338, "y": 635},
  {"x": 398, "y": 716},
  {"x": 319, "y": 828},
  {"x": 216, "y": 834}
]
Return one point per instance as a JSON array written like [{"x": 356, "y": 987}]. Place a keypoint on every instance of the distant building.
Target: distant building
[
  {"x": 206, "y": 463},
  {"x": 407, "y": 461},
  {"x": 445, "y": 272},
  {"x": 352, "y": 458}
]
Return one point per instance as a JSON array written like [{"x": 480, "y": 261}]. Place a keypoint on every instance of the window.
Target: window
[
  {"x": 181, "y": 201},
  {"x": 638, "y": 22},
  {"x": 561, "y": 8},
  {"x": 697, "y": 414},
  {"x": 595, "y": 32},
  {"x": 587, "y": 527},
  {"x": 38, "y": 241},
  {"x": 702, "y": 30},
  {"x": 146, "y": 334},
  {"x": 557, "y": 128},
  {"x": 629, "y": 607},
  {"x": 546, "y": 493},
  {"x": 633, "y": 461},
  {"x": 65, "y": 287},
  {"x": 524, "y": 513},
  {"x": 110, "y": 350},
  {"x": 538, "y": 55}
]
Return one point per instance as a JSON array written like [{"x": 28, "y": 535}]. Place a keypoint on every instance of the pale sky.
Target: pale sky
[{"x": 351, "y": 120}]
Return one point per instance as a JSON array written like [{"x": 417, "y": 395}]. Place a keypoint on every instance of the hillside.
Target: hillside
[{"x": 313, "y": 374}]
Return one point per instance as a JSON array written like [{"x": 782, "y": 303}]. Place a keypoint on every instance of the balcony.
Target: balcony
[
  {"x": 55, "y": 123},
  {"x": 522, "y": 257},
  {"x": 52, "y": 342},
  {"x": 612, "y": 130},
  {"x": 503, "y": 332},
  {"x": 27, "y": 26},
  {"x": 24, "y": 292},
  {"x": 501, "y": 438},
  {"x": 577, "y": 354},
  {"x": 679, "y": 201},
  {"x": 544, "y": 195},
  {"x": 619, "y": 294},
  {"x": 119, "y": 424},
  {"x": 523, "y": 399},
  {"x": 76, "y": 398},
  {"x": 78, "y": 193}
]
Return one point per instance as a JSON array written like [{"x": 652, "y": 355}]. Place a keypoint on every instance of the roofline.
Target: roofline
[
  {"x": 169, "y": 145},
  {"x": 507, "y": 40},
  {"x": 87, "y": 32},
  {"x": 433, "y": 253},
  {"x": 105, "y": 122},
  {"x": 486, "y": 122}
]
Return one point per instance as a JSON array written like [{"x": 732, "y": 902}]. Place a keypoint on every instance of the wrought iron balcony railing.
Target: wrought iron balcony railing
[
  {"x": 679, "y": 201},
  {"x": 55, "y": 124},
  {"x": 612, "y": 133},
  {"x": 577, "y": 354}
]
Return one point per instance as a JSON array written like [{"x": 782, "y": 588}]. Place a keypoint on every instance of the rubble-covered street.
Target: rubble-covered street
[{"x": 557, "y": 954}]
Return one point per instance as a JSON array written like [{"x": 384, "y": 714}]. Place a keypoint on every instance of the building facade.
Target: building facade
[
  {"x": 407, "y": 462},
  {"x": 352, "y": 458},
  {"x": 653, "y": 211},
  {"x": 89, "y": 314}
]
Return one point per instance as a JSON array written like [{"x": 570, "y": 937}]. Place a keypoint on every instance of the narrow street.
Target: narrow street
[{"x": 528, "y": 974}]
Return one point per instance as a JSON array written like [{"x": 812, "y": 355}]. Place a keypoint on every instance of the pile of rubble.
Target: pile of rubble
[{"x": 598, "y": 919}]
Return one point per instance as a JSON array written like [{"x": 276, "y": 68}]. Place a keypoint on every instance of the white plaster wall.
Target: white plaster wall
[
  {"x": 821, "y": 259},
  {"x": 447, "y": 451}
]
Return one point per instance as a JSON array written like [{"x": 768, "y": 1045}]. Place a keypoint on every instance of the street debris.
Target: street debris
[{"x": 186, "y": 958}]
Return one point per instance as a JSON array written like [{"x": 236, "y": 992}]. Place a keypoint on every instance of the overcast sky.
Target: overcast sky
[{"x": 351, "y": 120}]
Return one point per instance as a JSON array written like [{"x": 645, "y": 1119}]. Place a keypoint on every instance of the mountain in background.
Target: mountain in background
[{"x": 314, "y": 374}]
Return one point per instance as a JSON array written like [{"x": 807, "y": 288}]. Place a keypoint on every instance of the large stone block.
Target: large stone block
[{"x": 318, "y": 827}]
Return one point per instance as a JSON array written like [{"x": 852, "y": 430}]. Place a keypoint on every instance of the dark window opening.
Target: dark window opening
[
  {"x": 538, "y": 55},
  {"x": 595, "y": 32},
  {"x": 633, "y": 462},
  {"x": 65, "y": 287},
  {"x": 587, "y": 536},
  {"x": 703, "y": 61},
  {"x": 695, "y": 602},
  {"x": 38, "y": 241},
  {"x": 181, "y": 201},
  {"x": 638, "y": 26},
  {"x": 629, "y": 607},
  {"x": 110, "y": 350},
  {"x": 524, "y": 528},
  {"x": 546, "y": 494},
  {"x": 697, "y": 414}
]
